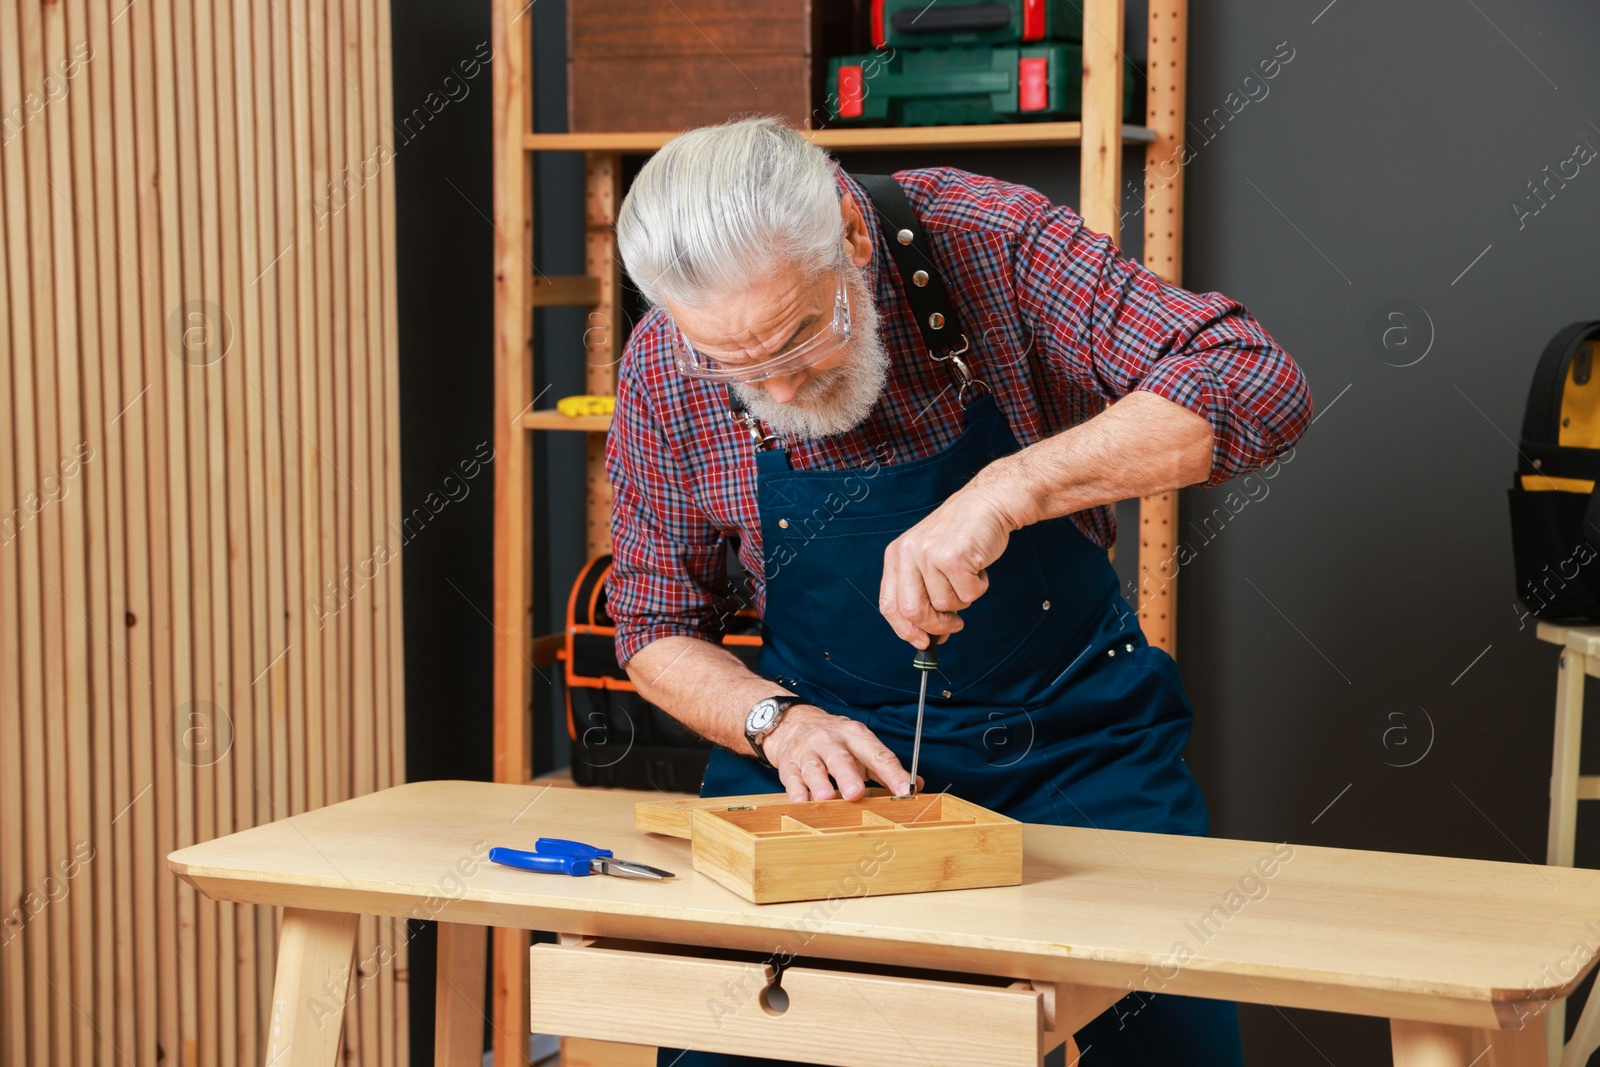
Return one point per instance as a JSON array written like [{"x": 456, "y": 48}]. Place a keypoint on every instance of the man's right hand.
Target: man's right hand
[
  {"x": 711, "y": 691},
  {"x": 809, "y": 746}
]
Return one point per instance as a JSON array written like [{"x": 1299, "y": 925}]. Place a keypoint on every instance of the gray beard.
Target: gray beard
[{"x": 836, "y": 401}]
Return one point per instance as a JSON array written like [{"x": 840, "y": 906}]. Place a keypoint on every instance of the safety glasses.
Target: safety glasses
[{"x": 808, "y": 352}]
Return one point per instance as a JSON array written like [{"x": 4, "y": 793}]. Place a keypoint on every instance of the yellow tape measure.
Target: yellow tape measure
[{"x": 578, "y": 406}]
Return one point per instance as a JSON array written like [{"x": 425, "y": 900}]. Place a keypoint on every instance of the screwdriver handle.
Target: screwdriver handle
[{"x": 927, "y": 659}]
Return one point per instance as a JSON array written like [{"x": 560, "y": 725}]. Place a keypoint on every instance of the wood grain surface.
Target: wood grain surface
[
  {"x": 1429, "y": 938},
  {"x": 197, "y": 329}
]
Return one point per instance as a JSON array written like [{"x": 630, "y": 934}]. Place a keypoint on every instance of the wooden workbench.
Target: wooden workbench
[{"x": 1462, "y": 955}]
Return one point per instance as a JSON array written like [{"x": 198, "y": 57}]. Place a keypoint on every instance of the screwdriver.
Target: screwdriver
[{"x": 925, "y": 660}]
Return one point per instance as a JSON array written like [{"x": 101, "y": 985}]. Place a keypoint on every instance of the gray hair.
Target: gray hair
[{"x": 721, "y": 205}]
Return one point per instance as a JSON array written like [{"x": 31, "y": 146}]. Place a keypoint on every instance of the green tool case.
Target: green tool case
[
  {"x": 964, "y": 86},
  {"x": 919, "y": 24}
]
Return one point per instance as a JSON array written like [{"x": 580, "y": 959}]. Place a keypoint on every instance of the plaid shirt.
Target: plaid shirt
[{"x": 1060, "y": 325}]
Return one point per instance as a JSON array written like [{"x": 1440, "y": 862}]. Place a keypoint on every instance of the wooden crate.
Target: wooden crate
[
  {"x": 769, "y": 849},
  {"x": 642, "y": 65}
]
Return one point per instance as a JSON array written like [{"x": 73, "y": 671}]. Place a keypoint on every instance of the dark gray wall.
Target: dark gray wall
[
  {"x": 1355, "y": 617},
  {"x": 1332, "y": 631}
]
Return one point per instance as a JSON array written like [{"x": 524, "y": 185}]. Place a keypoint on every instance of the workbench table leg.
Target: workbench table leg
[
  {"x": 1418, "y": 1044},
  {"x": 1570, "y": 675},
  {"x": 1586, "y": 1036},
  {"x": 458, "y": 992},
  {"x": 315, "y": 949}
]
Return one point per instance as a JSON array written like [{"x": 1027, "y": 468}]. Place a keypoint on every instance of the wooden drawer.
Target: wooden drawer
[{"x": 830, "y": 1012}]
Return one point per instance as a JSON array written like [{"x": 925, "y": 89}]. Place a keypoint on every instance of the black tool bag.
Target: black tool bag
[
  {"x": 619, "y": 739},
  {"x": 1555, "y": 511}
]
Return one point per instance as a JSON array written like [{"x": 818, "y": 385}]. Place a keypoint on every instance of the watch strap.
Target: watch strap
[{"x": 785, "y": 702}]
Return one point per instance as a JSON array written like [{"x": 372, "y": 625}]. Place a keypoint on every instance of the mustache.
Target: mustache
[{"x": 820, "y": 384}]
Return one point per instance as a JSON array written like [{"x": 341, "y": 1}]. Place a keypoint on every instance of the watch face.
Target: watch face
[{"x": 761, "y": 716}]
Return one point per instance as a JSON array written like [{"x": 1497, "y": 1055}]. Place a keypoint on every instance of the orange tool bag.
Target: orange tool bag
[
  {"x": 619, "y": 739},
  {"x": 1555, "y": 510}
]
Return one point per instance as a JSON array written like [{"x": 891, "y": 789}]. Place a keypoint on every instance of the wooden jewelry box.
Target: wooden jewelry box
[{"x": 768, "y": 848}]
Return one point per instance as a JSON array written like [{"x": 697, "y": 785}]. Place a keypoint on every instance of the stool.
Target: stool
[{"x": 1580, "y": 658}]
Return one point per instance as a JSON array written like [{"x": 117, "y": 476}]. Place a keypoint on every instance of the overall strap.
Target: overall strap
[
  {"x": 919, "y": 276},
  {"x": 920, "y": 280}
]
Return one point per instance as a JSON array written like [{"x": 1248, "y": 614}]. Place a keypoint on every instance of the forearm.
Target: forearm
[
  {"x": 708, "y": 689},
  {"x": 702, "y": 685},
  {"x": 1141, "y": 445}
]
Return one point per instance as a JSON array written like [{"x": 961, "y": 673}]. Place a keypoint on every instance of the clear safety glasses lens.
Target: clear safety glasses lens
[{"x": 809, "y": 353}]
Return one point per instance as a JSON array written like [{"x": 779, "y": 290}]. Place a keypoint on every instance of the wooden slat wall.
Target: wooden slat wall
[{"x": 200, "y": 620}]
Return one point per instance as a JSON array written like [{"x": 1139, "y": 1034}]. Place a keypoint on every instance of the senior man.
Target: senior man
[{"x": 914, "y": 402}]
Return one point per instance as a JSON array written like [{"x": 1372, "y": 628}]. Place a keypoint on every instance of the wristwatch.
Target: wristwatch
[{"x": 763, "y": 719}]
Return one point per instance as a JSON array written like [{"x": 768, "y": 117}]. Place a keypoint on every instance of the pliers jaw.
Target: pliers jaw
[{"x": 628, "y": 869}]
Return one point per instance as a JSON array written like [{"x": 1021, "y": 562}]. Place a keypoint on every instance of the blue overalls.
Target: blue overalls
[{"x": 1048, "y": 706}]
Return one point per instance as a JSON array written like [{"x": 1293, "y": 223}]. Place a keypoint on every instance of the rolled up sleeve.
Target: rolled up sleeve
[
  {"x": 1110, "y": 325},
  {"x": 667, "y": 557}
]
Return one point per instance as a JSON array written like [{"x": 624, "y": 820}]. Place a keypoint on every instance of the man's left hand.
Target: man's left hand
[{"x": 939, "y": 566}]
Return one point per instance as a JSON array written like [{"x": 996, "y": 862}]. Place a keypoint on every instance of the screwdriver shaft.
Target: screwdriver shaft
[{"x": 916, "y": 743}]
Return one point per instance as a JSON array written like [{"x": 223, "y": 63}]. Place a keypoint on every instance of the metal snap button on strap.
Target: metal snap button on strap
[{"x": 904, "y": 237}]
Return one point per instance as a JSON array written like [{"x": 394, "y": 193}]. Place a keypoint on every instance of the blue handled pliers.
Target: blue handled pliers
[{"x": 552, "y": 855}]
